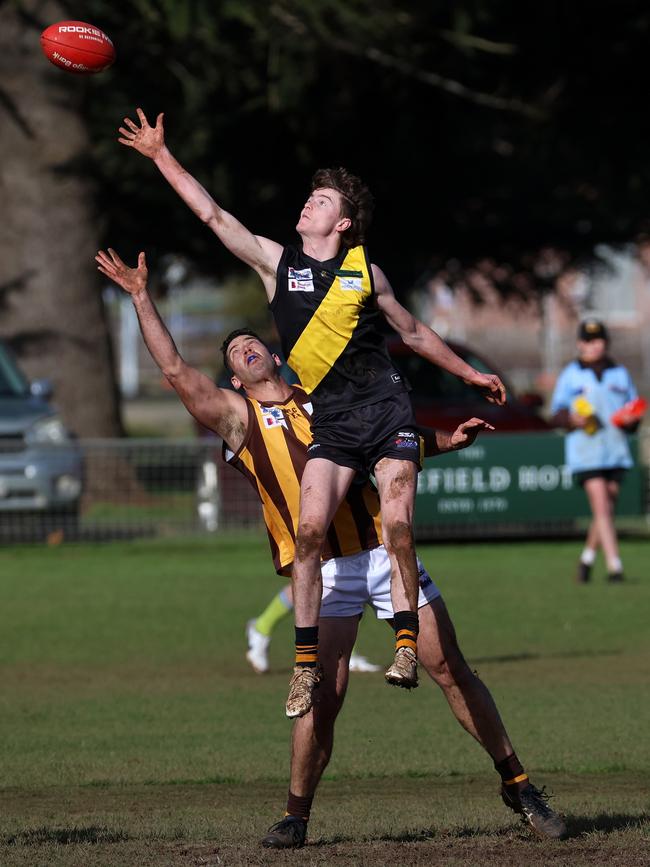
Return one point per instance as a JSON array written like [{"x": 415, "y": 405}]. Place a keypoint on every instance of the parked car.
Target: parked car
[
  {"x": 443, "y": 401},
  {"x": 40, "y": 463}
]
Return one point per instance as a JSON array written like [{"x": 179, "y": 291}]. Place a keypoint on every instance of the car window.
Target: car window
[{"x": 12, "y": 382}]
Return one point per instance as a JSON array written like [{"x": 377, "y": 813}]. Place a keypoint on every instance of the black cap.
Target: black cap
[{"x": 592, "y": 329}]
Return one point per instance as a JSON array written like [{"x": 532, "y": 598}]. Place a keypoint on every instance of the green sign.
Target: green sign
[{"x": 510, "y": 479}]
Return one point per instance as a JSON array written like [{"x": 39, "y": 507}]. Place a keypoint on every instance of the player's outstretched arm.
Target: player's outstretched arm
[
  {"x": 438, "y": 442},
  {"x": 218, "y": 409},
  {"x": 260, "y": 253},
  {"x": 429, "y": 345}
]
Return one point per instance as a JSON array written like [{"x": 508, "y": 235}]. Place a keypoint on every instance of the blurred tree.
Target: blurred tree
[
  {"x": 483, "y": 128},
  {"x": 50, "y": 303}
]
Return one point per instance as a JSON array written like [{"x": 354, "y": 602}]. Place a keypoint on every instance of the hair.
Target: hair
[
  {"x": 357, "y": 202},
  {"x": 238, "y": 332}
]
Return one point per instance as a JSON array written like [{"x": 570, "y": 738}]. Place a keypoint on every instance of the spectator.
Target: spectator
[{"x": 588, "y": 392}]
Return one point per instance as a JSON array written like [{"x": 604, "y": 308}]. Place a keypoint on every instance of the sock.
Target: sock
[
  {"x": 406, "y": 626},
  {"x": 307, "y": 646},
  {"x": 298, "y": 806},
  {"x": 588, "y": 557},
  {"x": 615, "y": 565},
  {"x": 277, "y": 608},
  {"x": 512, "y": 772}
]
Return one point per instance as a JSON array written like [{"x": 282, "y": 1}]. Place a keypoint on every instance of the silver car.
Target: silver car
[{"x": 41, "y": 471}]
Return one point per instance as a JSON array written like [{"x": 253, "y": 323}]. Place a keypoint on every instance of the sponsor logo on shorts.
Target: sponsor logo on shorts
[
  {"x": 313, "y": 446},
  {"x": 406, "y": 433},
  {"x": 405, "y": 444},
  {"x": 396, "y": 377},
  {"x": 424, "y": 579},
  {"x": 301, "y": 280}
]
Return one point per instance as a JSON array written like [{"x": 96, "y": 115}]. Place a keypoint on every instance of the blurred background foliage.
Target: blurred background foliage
[{"x": 482, "y": 128}]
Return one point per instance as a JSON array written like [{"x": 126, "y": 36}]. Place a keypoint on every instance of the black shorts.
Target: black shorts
[
  {"x": 359, "y": 438},
  {"x": 616, "y": 474}
]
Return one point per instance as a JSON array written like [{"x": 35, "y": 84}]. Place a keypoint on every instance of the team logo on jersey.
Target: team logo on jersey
[
  {"x": 351, "y": 284},
  {"x": 301, "y": 280},
  {"x": 272, "y": 416}
]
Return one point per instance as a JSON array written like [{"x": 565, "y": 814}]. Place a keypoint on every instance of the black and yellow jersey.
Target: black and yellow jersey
[
  {"x": 273, "y": 457},
  {"x": 328, "y": 325}
]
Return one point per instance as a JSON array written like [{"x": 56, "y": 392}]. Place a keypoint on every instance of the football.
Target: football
[
  {"x": 631, "y": 412},
  {"x": 77, "y": 47}
]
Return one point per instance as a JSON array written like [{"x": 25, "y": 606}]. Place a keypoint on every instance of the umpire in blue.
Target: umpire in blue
[{"x": 588, "y": 392}]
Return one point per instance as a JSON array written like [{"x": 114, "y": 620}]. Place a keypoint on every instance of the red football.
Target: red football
[{"x": 77, "y": 47}]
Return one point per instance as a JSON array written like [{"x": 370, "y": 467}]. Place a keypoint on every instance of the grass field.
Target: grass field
[{"x": 133, "y": 733}]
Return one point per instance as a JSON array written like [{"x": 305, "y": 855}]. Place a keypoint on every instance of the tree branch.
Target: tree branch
[{"x": 433, "y": 79}]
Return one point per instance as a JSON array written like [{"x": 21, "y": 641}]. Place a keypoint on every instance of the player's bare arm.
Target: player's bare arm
[
  {"x": 261, "y": 254},
  {"x": 437, "y": 442},
  {"x": 429, "y": 345},
  {"x": 218, "y": 409}
]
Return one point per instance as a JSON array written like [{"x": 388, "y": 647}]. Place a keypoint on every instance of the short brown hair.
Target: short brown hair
[{"x": 357, "y": 201}]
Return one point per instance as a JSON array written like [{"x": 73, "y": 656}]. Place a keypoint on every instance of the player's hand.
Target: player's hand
[
  {"x": 148, "y": 140},
  {"x": 132, "y": 280},
  {"x": 466, "y": 433},
  {"x": 490, "y": 386}
]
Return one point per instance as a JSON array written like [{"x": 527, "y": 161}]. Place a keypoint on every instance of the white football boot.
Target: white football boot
[
  {"x": 258, "y": 647},
  {"x": 359, "y": 663}
]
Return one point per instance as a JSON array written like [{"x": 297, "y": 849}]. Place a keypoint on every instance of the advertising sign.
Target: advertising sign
[{"x": 510, "y": 479}]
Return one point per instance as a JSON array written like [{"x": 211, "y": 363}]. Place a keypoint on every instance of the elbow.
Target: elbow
[
  {"x": 409, "y": 337},
  {"x": 212, "y": 219},
  {"x": 172, "y": 372}
]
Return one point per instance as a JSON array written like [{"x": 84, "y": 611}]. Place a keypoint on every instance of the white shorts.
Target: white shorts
[{"x": 361, "y": 579}]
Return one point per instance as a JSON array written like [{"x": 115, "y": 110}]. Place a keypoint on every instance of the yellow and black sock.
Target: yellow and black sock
[
  {"x": 299, "y": 806},
  {"x": 406, "y": 626},
  {"x": 512, "y": 773},
  {"x": 307, "y": 646}
]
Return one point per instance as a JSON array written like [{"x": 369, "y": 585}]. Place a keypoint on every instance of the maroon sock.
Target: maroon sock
[
  {"x": 512, "y": 773},
  {"x": 298, "y": 806}
]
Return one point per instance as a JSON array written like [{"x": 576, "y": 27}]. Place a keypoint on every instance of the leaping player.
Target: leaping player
[{"x": 325, "y": 296}]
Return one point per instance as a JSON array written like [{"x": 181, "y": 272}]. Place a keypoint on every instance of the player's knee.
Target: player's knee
[
  {"x": 328, "y": 703},
  {"x": 447, "y": 669},
  {"x": 310, "y": 539},
  {"x": 398, "y": 537}
]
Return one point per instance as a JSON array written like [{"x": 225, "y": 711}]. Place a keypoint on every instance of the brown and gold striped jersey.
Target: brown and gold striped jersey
[{"x": 273, "y": 457}]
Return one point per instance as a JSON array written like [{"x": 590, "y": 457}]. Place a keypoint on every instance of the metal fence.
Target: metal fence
[{"x": 121, "y": 489}]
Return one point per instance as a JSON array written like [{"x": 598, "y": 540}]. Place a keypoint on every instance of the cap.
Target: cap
[{"x": 592, "y": 329}]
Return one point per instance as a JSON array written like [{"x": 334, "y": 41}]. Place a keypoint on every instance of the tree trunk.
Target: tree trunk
[{"x": 51, "y": 310}]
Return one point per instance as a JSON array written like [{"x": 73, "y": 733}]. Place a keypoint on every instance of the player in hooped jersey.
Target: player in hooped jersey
[
  {"x": 266, "y": 435},
  {"x": 325, "y": 296}
]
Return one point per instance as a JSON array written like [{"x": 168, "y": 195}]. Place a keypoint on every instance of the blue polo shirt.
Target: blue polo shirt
[{"x": 607, "y": 448}]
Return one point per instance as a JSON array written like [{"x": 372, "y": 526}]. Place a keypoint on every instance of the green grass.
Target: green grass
[{"x": 133, "y": 732}]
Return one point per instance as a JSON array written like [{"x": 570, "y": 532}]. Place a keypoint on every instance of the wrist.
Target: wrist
[
  {"x": 447, "y": 444},
  {"x": 161, "y": 154},
  {"x": 139, "y": 296}
]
